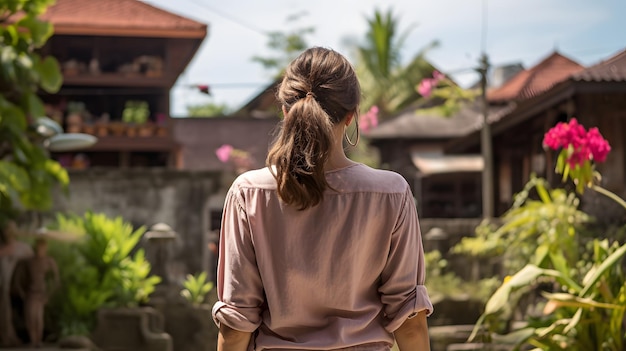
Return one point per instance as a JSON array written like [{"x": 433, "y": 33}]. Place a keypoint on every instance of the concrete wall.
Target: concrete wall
[
  {"x": 200, "y": 137},
  {"x": 181, "y": 199},
  {"x": 185, "y": 200}
]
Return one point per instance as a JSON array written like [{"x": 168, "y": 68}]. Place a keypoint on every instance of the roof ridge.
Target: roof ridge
[
  {"x": 524, "y": 83},
  {"x": 120, "y": 16},
  {"x": 610, "y": 69},
  {"x": 610, "y": 60},
  {"x": 158, "y": 9}
]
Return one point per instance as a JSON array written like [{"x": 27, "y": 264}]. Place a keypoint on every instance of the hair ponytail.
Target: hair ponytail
[
  {"x": 318, "y": 91},
  {"x": 300, "y": 153}
]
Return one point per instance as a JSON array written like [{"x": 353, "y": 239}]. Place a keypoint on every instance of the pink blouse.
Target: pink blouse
[{"x": 344, "y": 274}]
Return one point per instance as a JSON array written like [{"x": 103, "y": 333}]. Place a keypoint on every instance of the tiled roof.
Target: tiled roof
[
  {"x": 612, "y": 69},
  {"x": 69, "y": 16},
  {"x": 412, "y": 124},
  {"x": 541, "y": 77}
]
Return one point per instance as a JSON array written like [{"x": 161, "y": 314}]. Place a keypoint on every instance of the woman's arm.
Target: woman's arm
[
  {"x": 230, "y": 339},
  {"x": 413, "y": 334}
]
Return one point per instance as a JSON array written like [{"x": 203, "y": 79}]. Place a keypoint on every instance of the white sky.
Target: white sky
[{"x": 517, "y": 31}]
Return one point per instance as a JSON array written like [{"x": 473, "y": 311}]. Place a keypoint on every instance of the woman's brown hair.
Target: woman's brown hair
[{"x": 319, "y": 89}]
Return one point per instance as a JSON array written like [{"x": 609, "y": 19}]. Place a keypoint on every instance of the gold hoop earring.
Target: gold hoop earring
[{"x": 358, "y": 134}]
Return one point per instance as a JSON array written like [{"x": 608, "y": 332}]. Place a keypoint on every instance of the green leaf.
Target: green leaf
[
  {"x": 609, "y": 263},
  {"x": 569, "y": 300},
  {"x": 500, "y": 298},
  {"x": 574, "y": 321},
  {"x": 35, "y": 106},
  {"x": 11, "y": 35},
  {"x": 50, "y": 75},
  {"x": 540, "y": 254},
  {"x": 39, "y": 30},
  {"x": 543, "y": 193},
  {"x": 8, "y": 56},
  {"x": 559, "y": 262},
  {"x": 13, "y": 117},
  {"x": 14, "y": 176},
  {"x": 516, "y": 337},
  {"x": 57, "y": 171}
]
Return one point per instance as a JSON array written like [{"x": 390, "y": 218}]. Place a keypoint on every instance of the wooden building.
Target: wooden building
[
  {"x": 119, "y": 60},
  {"x": 412, "y": 144},
  {"x": 596, "y": 96},
  {"x": 432, "y": 151}
]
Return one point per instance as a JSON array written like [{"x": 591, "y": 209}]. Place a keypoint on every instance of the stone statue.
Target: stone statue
[
  {"x": 35, "y": 288},
  {"x": 11, "y": 251}
]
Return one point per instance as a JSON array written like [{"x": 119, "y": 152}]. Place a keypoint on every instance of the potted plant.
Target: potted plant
[
  {"x": 136, "y": 114},
  {"x": 75, "y": 116},
  {"x": 190, "y": 323},
  {"x": 110, "y": 283}
]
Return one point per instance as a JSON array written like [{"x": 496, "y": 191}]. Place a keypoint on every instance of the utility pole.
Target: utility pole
[{"x": 485, "y": 143}]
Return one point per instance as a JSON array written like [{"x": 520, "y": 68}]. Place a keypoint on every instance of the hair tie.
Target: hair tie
[{"x": 311, "y": 94}]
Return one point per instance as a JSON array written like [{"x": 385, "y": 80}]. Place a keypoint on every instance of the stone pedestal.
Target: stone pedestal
[{"x": 131, "y": 329}]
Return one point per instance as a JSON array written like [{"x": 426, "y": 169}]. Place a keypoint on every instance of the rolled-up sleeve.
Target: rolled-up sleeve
[
  {"x": 402, "y": 289},
  {"x": 239, "y": 287}
]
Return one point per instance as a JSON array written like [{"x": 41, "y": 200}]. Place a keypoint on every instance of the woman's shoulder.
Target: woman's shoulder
[
  {"x": 260, "y": 178},
  {"x": 363, "y": 178}
]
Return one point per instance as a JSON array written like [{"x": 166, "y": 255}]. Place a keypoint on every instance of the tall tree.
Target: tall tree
[
  {"x": 286, "y": 45},
  {"x": 385, "y": 81}
]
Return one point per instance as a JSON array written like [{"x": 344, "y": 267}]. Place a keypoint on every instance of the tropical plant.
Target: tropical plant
[
  {"x": 26, "y": 171},
  {"x": 533, "y": 227},
  {"x": 109, "y": 245},
  {"x": 582, "y": 299},
  {"x": 80, "y": 295},
  {"x": 447, "y": 96},
  {"x": 103, "y": 269},
  {"x": 385, "y": 81},
  {"x": 196, "y": 288},
  {"x": 287, "y": 46}
]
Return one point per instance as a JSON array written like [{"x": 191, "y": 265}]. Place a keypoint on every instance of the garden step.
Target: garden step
[
  {"x": 476, "y": 346},
  {"x": 465, "y": 347}
]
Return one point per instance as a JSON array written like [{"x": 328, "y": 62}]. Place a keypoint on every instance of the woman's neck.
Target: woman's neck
[{"x": 337, "y": 158}]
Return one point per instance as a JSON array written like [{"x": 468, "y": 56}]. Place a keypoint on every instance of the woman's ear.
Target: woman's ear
[
  {"x": 284, "y": 111},
  {"x": 349, "y": 118}
]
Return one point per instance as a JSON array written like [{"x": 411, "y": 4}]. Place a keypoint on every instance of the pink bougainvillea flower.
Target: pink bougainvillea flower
[
  {"x": 426, "y": 86},
  {"x": 579, "y": 148},
  {"x": 223, "y": 153},
  {"x": 598, "y": 146},
  {"x": 369, "y": 120},
  {"x": 565, "y": 134},
  {"x": 584, "y": 145}
]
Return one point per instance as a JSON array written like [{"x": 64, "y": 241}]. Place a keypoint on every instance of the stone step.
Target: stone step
[
  {"x": 476, "y": 346},
  {"x": 465, "y": 347}
]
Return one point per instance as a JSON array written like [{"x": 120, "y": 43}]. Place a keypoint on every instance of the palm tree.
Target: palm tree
[{"x": 385, "y": 81}]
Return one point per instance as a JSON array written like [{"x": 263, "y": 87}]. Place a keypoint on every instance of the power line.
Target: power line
[
  {"x": 225, "y": 85},
  {"x": 222, "y": 14},
  {"x": 229, "y": 17}
]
